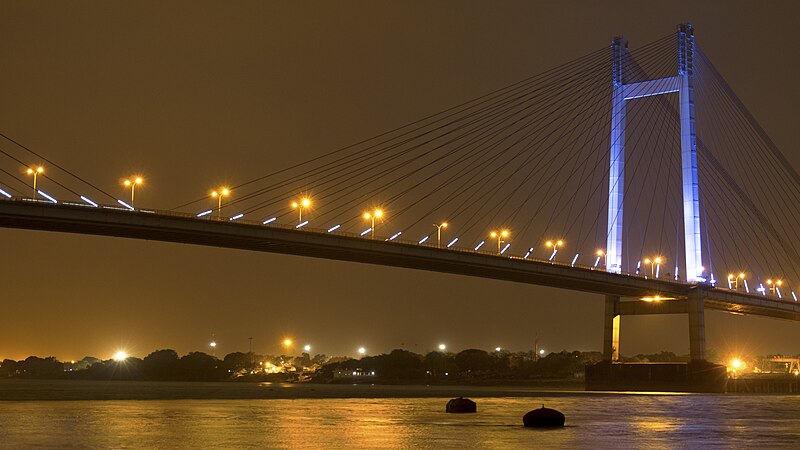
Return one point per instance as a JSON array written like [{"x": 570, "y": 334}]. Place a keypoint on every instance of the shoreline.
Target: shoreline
[{"x": 76, "y": 390}]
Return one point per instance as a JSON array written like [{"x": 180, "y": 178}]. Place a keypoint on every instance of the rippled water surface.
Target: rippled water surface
[{"x": 593, "y": 420}]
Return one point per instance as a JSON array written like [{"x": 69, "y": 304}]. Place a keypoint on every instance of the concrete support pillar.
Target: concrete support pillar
[
  {"x": 611, "y": 329},
  {"x": 697, "y": 326}
]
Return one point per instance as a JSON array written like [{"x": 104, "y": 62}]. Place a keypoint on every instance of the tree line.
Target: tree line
[{"x": 393, "y": 367}]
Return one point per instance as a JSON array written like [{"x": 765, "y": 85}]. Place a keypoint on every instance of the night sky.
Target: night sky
[{"x": 195, "y": 94}]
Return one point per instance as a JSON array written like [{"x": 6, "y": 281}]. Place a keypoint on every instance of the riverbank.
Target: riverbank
[{"x": 20, "y": 390}]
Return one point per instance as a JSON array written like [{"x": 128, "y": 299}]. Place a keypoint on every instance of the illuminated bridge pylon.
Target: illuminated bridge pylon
[{"x": 683, "y": 84}]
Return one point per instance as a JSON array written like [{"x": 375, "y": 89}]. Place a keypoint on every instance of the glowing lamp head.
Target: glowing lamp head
[
  {"x": 658, "y": 260},
  {"x": 769, "y": 282},
  {"x": 307, "y": 348},
  {"x": 647, "y": 260},
  {"x": 226, "y": 191},
  {"x": 493, "y": 234},
  {"x": 120, "y": 356},
  {"x": 378, "y": 213},
  {"x": 737, "y": 364},
  {"x": 127, "y": 182},
  {"x": 287, "y": 342},
  {"x": 504, "y": 233},
  {"x": 212, "y": 344},
  {"x": 442, "y": 347},
  {"x": 138, "y": 180},
  {"x": 497, "y": 349},
  {"x": 29, "y": 171},
  {"x": 741, "y": 275},
  {"x": 362, "y": 350},
  {"x": 295, "y": 205},
  {"x": 548, "y": 244},
  {"x": 600, "y": 253},
  {"x": 730, "y": 276},
  {"x": 306, "y": 202},
  {"x": 779, "y": 282},
  {"x": 444, "y": 224},
  {"x": 541, "y": 352},
  {"x": 367, "y": 215},
  {"x": 560, "y": 243}
]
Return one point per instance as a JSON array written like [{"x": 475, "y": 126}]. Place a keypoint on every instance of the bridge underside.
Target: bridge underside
[{"x": 178, "y": 228}]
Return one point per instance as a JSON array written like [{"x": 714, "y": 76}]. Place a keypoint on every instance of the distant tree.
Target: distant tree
[
  {"x": 198, "y": 366},
  {"x": 438, "y": 364},
  {"x": 161, "y": 365},
  {"x": 85, "y": 363},
  {"x": 9, "y": 368},
  {"x": 236, "y": 361},
  {"x": 474, "y": 360},
  {"x": 35, "y": 367}
]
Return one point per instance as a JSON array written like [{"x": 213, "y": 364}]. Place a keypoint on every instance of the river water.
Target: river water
[{"x": 593, "y": 421}]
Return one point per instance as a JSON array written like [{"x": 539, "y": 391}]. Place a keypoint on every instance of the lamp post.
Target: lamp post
[
  {"x": 600, "y": 254},
  {"x": 218, "y": 194},
  {"x": 372, "y": 216},
  {"x": 439, "y": 233},
  {"x": 554, "y": 245},
  {"x": 774, "y": 285},
  {"x": 35, "y": 172},
  {"x": 304, "y": 202},
  {"x": 131, "y": 183},
  {"x": 499, "y": 235},
  {"x": 658, "y": 260}
]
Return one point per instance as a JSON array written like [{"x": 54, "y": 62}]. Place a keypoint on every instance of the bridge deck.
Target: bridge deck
[{"x": 182, "y": 228}]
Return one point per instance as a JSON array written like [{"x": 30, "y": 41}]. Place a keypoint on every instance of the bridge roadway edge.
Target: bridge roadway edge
[{"x": 186, "y": 229}]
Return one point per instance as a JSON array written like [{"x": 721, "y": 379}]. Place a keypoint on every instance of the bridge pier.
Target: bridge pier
[
  {"x": 695, "y": 303},
  {"x": 611, "y": 329},
  {"x": 696, "y": 376}
]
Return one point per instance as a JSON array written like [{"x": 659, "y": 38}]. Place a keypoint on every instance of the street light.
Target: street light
[
  {"x": 773, "y": 285},
  {"x": 657, "y": 261},
  {"x": 287, "y": 343},
  {"x": 439, "y": 233},
  {"x": 653, "y": 263},
  {"x": 131, "y": 183},
  {"x": 554, "y": 245},
  {"x": 304, "y": 202},
  {"x": 442, "y": 347},
  {"x": 499, "y": 235},
  {"x": 218, "y": 194},
  {"x": 372, "y": 216},
  {"x": 35, "y": 172},
  {"x": 121, "y": 355},
  {"x": 362, "y": 350},
  {"x": 213, "y": 346},
  {"x": 600, "y": 254},
  {"x": 307, "y": 348}
]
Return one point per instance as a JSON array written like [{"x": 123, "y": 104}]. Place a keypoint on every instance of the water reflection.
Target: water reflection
[{"x": 595, "y": 421}]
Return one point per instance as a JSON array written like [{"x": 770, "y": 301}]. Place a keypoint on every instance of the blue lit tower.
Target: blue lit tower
[{"x": 683, "y": 84}]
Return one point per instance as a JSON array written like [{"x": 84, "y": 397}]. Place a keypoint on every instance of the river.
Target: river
[{"x": 385, "y": 418}]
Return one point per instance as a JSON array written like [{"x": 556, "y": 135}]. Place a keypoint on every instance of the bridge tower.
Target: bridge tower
[{"x": 683, "y": 84}]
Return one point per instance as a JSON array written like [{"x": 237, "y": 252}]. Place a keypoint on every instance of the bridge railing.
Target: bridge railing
[{"x": 307, "y": 229}]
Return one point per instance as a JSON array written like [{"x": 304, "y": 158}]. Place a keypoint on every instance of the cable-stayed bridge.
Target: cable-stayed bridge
[{"x": 635, "y": 174}]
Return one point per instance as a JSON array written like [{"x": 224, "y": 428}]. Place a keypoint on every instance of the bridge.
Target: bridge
[{"x": 536, "y": 143}]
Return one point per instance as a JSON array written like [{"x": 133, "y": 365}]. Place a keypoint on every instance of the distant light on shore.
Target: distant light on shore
[{"x": 120, "y": 356}]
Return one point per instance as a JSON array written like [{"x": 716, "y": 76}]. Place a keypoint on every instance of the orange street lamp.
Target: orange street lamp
[
  {"x": 131, "y": 183},
  {"x": 372, "y": 216},
  {"x": 304, "y": 202},
  {"x": 554, "y": 245},
  {"x": 35, "y": 172},
  {"x": 439, "y": 233},
  {"x": 218, "y": 194},
  {"x": 499, "y": 235}
]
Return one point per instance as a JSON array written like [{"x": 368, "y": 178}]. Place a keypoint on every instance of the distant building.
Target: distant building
[{"x": 353, "y": 373}]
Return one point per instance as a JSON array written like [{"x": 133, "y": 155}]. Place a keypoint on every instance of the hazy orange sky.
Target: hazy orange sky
[{"x": 196, "y": 93}]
